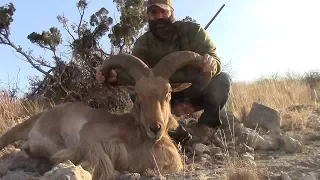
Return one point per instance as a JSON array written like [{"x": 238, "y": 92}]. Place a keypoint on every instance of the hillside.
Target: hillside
[{"x": 285, "y": 142}]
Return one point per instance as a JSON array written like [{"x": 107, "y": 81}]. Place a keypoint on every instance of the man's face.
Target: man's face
[
  {"x": 160, "y": 22},
  {"x": 156, "y": 12}
]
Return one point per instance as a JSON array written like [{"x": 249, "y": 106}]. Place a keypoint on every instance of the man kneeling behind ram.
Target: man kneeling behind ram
[{"x": 107, "y": 144}]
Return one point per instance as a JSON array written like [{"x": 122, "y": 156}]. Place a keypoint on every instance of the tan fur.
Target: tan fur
[
  {"x": 106, "y": 144},
  {"x": 18, "y": 132}
]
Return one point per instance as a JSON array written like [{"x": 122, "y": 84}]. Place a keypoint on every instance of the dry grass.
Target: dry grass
[
  {"x": 277, "y": 93},
  {"x": 238, "y": 169},
  {"x": 295, "y": 120},
  {"x": 10, "y": 111},
  {"x": 13, "y": 111}
]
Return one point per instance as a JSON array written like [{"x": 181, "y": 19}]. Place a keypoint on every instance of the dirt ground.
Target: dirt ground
[
  {"x": 15, "y": 164},
  {"x": 270, "y": 163}
]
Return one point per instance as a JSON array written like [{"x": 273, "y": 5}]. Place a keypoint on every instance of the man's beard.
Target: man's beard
[{"x": 163, "y": 29}]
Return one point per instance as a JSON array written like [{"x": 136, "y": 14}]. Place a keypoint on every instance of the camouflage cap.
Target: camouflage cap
[{"x": 164, "y": 4}]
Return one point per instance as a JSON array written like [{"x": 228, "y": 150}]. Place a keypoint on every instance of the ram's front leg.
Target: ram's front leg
[
  {"x": 99, "y": 161},
  {"x": 101, "y": 169},
  {"x": 168, "y": 157},
  {"x": 92, "y": 158},
  {"x": 105, "y": 159}
]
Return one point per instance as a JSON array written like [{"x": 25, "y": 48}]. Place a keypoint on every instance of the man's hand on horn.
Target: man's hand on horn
[
  {"x": 112, "y": 77},
  {"x": 211, "y": 63}
]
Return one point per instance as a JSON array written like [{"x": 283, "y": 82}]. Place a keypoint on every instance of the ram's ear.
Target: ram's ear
[{"x": 176, "y": 87}]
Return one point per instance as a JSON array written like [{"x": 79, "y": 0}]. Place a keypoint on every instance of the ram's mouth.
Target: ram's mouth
[{"x": 154, "y": 137}]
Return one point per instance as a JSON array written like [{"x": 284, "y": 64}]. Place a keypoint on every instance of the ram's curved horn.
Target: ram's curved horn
[
  {"x": 134, "y": 66},
  {"x": 169, "y": 64}
]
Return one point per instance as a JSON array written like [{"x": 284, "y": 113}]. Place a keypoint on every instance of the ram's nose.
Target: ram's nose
[{"x": 155, "y": 128}]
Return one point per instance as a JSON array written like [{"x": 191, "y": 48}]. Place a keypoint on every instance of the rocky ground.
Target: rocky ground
[{"x": 258, "y": 148}]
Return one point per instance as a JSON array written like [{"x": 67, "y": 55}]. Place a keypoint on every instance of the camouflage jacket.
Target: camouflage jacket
[{"x": 189, "y": 36}]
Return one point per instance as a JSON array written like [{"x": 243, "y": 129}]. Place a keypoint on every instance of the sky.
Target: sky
[{"x": 258, "y": 37}]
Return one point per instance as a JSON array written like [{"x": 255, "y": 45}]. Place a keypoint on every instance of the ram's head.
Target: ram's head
[{"x": 152, "y": 88}]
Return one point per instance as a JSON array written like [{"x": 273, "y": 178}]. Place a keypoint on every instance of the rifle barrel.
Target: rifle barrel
[{"x": 214, "y": 17}]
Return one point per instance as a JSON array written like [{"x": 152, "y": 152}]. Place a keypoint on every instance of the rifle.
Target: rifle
[{"x": 214, "y": 16}]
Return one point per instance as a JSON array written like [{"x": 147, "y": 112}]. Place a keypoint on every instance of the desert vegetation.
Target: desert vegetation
[
  {"x": 278, "y": 92},
  {"x": 68, "y": 76},
  {"x": 289, "y": 96}
]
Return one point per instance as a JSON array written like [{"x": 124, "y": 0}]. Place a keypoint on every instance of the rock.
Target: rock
[
  {"x": 269, "y": 158},
  {"x": 268, "y": 142},
  {"x": 220, "y": 156},
  {"x": 313, "y": 122},
  {"x": 253, "y": 139},
  {"x": 18, "y": 175},
  {"x": 199, "y": 168},
  {"x": 285, "y": 176},
  {"x": 204, "y": 158},
  {"x": 214, "y": 150},
  {"x": 187, "y": 177},
  {"x": 200, "y": 134},
  {"x": 291, "y": 145},
  {"x": 229, "y": 122},
  {"x": 310, "y": 176},
  {"x": 200, "y": 148},
  {"x": 264, "y": 117},
  {"x": 219, "y": 142},
  {"x": 67, "y": 171},
  {"x": 311, "y": 135},
  {"x": 129, "y": 176},
  {"x": 200, "y": 159},
  {"x": 230, "y": 125},
  {"x": 207, "y": 156}
]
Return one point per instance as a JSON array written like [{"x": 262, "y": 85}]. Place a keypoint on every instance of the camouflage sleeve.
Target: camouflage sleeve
[
  {"x": 201, "y": 43},
  {"x": 138, "y": 50}
]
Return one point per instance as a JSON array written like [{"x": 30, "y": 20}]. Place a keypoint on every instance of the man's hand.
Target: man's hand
[
  {"x": 211, "y": 63},
  {"x": 112, "y": 77}
]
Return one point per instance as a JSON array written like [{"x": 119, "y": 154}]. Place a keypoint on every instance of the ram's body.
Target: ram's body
[{"x": 104, "y": 143}]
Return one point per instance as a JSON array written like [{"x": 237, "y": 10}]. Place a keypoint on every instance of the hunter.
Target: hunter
[{"x": 166, "y": 35}]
